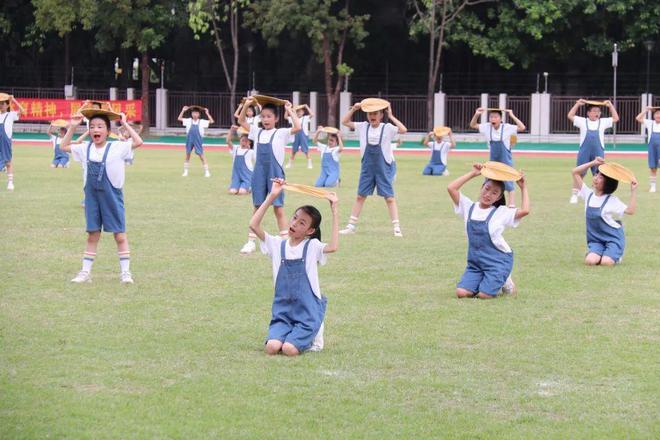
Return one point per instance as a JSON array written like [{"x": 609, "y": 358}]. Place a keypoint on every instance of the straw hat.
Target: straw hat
[
  {"x": 513, "y": 140},
  {"x": 330, "y": 130},
  {"x": 499, "y": 171},
  {"x": 242, "y": 132},
  {"x": 198, "y": 108},
  {"x": 300, "y": 107},
  {"x": 369, "y": 105},
  {"x": 91, "y": 104},
  {"x": 600, "y": 103},
  {"x": 89, "y": 113},
  {"x": 493, "y": 109},
  {"x": 263, "y": 99},
  {"x": 59, "y": 123},
  {"x": 617, "y": 172},
  {"x": 441, "y": 130},
  {"x": 5, "y": 97}
]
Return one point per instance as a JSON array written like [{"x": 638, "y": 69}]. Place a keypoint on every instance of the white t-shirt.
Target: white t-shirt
[
  {"x": 390, "y": 131},
  {"x": 202, "y": 123},
  {"x": 249, "y": 155},
  {"x": 323, "y": 148},
  {"x": 503, "y": 218},
  {"x": 304, "y": 123},
  {"x": 651, "y": 127},
  {"x": 8, "y": 118},
  {"x": 503, "y": 133},
  {"x": 279, "y": 141},
  {"x": 582, "y": 123},
  {"x": 254, "y": 120},
  {"x": 613, "y": 211},
  {"x": 55, "y": 140},
  {"x": 114, "y": 164},
  {"x": 272, "y": 246},
  {"x": 443, "y": 147}
]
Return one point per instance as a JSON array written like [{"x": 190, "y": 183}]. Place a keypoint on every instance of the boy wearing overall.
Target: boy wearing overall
[
  {"x": 104, "y": 171},
  {"x": 604, "y": 211},
  {"x": 299, "y": 307},
  {"x": 301, "y": 140},
  {"x": 269, "y": 149},
  {"x": 7, "y": 119},
  {"x": 498, "y": 137},
  {"x": 329, "y": 157},
  {"x": 490, "y": 259},
  {"x": 375, "y": 170},
  {"x": 592, "y": 135},
  {"x": 437, "y": 166},
  {"x": 652, "y": 127},
  {"x": 195, "y": 135},
  {"x": 242, "y": 161},
  {"x": 60, "y": 158}
]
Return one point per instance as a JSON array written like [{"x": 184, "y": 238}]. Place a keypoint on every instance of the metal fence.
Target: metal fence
[
  {"x": 522, "y": 108},
  {"x": 627, "y": 107},
  {"x": 459, "y": 111}
]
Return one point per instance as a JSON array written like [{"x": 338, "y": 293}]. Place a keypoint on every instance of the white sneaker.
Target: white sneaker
[
  {"x": 652, "y": 189},
  {"x": 249, "y": 247},
  {"x": 185, "y": 173},
  {"x": 309, "y": 165},
  {"x": 398, "y": 233},
  {"x": 574, "y": 199},
  {"x": 318, "y": 343},
  {"x": 445, "y": 173},
  {"x": 348, "y": 230},
  {"x": 288, "y": 165},
  {"x": 82, "y": 277},
  {"x": 126, "y": 278},
  {"x": 207, "y": 173},
  {"x": 10, "y": 186},
  {"x": 509, "y": 287}
]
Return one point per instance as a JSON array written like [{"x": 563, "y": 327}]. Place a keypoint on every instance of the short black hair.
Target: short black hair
[
  {"x": 103, "y": 117},
  {"x": 610, "y": 185},
  {"x": 655, "y": 111},
  {"x": 333, "y": 135},
  {"x": 499, "y": 112},
  {"x": 591, "y": 106},
  {"x": 270, "y": 106}
]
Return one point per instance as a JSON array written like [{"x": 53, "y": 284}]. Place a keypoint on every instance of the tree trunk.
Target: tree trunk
[
  {"x": 234, "y": 41},
  {"x": 329, "y": 92},
  {"x": 146, "y": 116},
  {"x": 67, "y": 60}
]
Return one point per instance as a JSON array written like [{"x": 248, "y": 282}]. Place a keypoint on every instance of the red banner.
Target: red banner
[{"x": 42, "y": 109}]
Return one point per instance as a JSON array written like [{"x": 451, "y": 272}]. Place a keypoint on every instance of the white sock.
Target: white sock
[
  {"x": 252, "y": 237},
  {"x": 576, "y": 191},
  {"x": 186, "y": 165},
  {"x": 10, "y": 177},
  {"x": 396, "y": 225},
  {"x": 88, "y": 261},
  {"x": 206, "y": 167},
  {"x": 652, "y": 180},
  {"x": 125, "y": 261},
  {"x": 352, "y": 222}
]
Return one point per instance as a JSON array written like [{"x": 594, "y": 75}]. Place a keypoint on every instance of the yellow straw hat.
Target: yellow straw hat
[
  {"x": 89, "y": 113},
  {"x": 263, "y": 99},
  {"x": 242, "y": 132},
  {"x": 617, "y": 172},
  {"x": 306, "y": 189},
  {"x": 499, "y": 171},
  {"x": 330, "y": 130},
  {"x": 441, "y": 131},
  {"x": 59, "y": 123},
  {"x": 369, "y": 105},
  {"x": 601, "y": 103},
  {"x": 300, "y": 107}
]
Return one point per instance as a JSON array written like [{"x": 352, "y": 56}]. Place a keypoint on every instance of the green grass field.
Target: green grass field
[{"x": 180, "y": 355}]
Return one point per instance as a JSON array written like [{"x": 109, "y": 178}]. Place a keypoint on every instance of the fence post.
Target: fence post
[
  {"x": 113, "y": 93},
  {"x": 535, "y": 115},
  {"x": 484, "y": 104},
  {"x": 161, "y": 109},
  {"x": 501, "y": 103},
  {"x": 344, "y": 107},
  {"x": 295, "y": 99},
  {"x": 313, "y": 106},
  {"x": 646, "y": 101},
  {"x": 130, "y": 93},
  {"x": 439, "y": 103},
  {"x": 545, "y": 114}
]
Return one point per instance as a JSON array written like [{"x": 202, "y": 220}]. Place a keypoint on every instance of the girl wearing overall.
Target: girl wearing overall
[
  {"x": 243, "y": 161},
  {"x": 375, "y": 170},
  {"x": 653, "y": 137},
  {"x": 490, "y": 259},
  {"x": 298, "y": 307},
  {"x": 251, "y": 114},
  {"x": 498, "y": 136},
  {"x": 437, "y": 166},
  {"x": 7, "y": 118},
  {"x": 104, "y": 171},
  {"x": 269, "y": 145},
  {"x": 330, "y": 152},
  {"x": 592, "y": 135},
  {"x": 195, "y": 135},
  {"x": 300, "y": 140},
  {"x": 604, "y": 211},
  {"x": 60, "y": 158}
]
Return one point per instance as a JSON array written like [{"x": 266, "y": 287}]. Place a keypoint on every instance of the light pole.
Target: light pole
[
  {"x": 250, "y": 48},
  {"x": 615, "y": 63},
  {"x": 545, "y": 77},
  {"x": 650, "y": 44}
]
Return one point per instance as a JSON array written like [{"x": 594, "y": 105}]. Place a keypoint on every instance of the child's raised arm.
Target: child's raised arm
[
  {"x": 316, "y": 135},
  {"x": 242, "y": 120},
  {"x": 238, "y": 111},
  {"x": 255, "y": 222},
  {"x": 309, "y": 111},
  {"x": 519, "y": 124},
  {"x": 208, "y": 115},
  {"x": 477, "y": 114},
  {"x": 402, "y": 128},
  {"x": 65, "y": 145},
  {"x": 613, "y": 113},
  {"x": 183, "y": 110},
  {"x": 295, "y": 120},
  {"x": 50, "y": 130},
  {"x": 454, "y": 188},
  {"x": 571, "y": 113},
  {"x": 347, "y": 120},
  {"x": 632, "y": 206},
  {"x": 642, "y": 115},
  {"x": 137, "y": 140},
  {"x": 452, "y": 141},
  {"x": 18, "y": 105},
  {"x": 427, "y": 138},
  {"x": 524, "y": 210},
  {"x": 340, "y": 141},
  {"x": 582, "y": 169},
  {"x": 333, "y": 246},
  {"x": 230, "y": 134}
]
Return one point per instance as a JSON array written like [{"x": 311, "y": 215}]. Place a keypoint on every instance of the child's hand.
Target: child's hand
[
  {"x": 287, "y": 106},
  {"x": 480, "y": 110},
  {"x": 76, "y": 120},
  {"x": 332, "y": 197},
  {"x": 633, "y": 186},
  {"x": 599, "y": 160},
  {"x": 581, "y": 101},
  {"x": 277, "y": 187},
  {"x": 476, "y": 169},
  {"x": 608, "y": 103},
  {"x": 234, "y": 127},
  {"x": 388, "y": 110},
  {"x": 123, "y": 118},
  {"x": 521, "y": 182},
  {"x": 357, "y": 106},
  {"x": 185, "y": 108}
]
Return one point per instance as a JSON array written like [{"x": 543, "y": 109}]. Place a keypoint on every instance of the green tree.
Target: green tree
[
  {"x": 327, "y": 24},
  {"x": 213, "y": 16}
]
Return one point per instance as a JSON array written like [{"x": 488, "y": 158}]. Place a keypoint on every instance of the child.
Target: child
[
  {"x": 124, "y": 136},
  {"x": 329, "y": 157},
  {"x": 605, "y": 236},
  {"x": 592, "y": 135},
  {"x": 498, "y": 137},
  {"x": 490, "y": 259},
  {"x": 298, "y": 307},
  {"x": 301, "y": 141},
  {"x": 243, "y": 162},
  {"x": 251, "y": 114},
  {"x": 7, "y": 119},
  {"x": 375, "y": 170},
  {"x": 104, "y": 170},
  {"x": 269, "y": 145},
  {"x": 60, "y": 158},
  {"x": 653, "y": 137},
  {"x": 437, "y": 166},
  {"x": 195, "y": 135}
]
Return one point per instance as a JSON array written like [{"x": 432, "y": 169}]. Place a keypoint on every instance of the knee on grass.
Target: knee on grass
[
  {"x": 273, "y": 346},
  {"x": 607, "y": 261},
  {"x": 289, "y": 349},
  {"x": 233, "y": 191},
  {"x": 592, "y": 259},
  {"x": 242, "y": 192},
  {"x": 463, "y": 293}
]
